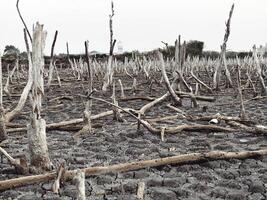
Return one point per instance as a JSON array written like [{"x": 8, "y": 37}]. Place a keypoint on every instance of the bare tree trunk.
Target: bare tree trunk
[
  {"x": 242, "y": 107},
  {"x": 87, "y": 128},
  {"x": 217, "y": 73},
  {"x": 109, "y": 70},
  {"x": 175, "y": 98},
  {"x": 51, "y": 66},
  {"x": 259, "y": 72},
  {"x": 80, "y": 185},
  {"x": 37, "y": 128},
  {"x": 3, "y": 134},
  {"x": 12, "y": 114}
]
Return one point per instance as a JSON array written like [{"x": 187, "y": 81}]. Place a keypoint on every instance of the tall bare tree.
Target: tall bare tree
[{"x": 109, "y": 69}]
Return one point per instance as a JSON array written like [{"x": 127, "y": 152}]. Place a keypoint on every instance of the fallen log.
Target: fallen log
[
  {"x": 146, "y": 98},
  {"x": 124, "y": 167},
  {"x": 257, "y": 129},
  {"x": 200, "y": 98},
  {"x": 71, "y": 125}
]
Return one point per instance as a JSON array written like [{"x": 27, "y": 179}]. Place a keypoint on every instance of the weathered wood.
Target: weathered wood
[
  {"x": 257, "y": 129},
  {"x": 201, "y": 83},
  {"x": 175, "y": 160},
  {"x": 175, "y": 98},
  {"x": 141, "y": 190},
  {"x": 24, "y": 95},
  {"x": 37, "y": 128},
  {"x": 259, "y": 72},
  {"x": 199, "y": 98},
  {"x": 217, "y": 73},
  {"x": 60, "y": 174},
  {"x": 3, "y": 134},
  {"x": 51, "y": 65},
  {"x": 242, "y": 107},
  {"x": 80, "y": 184},
  {"x": 20, "y": 164}
]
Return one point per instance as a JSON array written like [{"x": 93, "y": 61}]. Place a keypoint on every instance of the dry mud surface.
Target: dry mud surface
[{"x": 119, "y": 142}]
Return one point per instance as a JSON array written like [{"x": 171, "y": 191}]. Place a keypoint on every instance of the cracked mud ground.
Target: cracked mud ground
[{"x": 119, "y": 142}]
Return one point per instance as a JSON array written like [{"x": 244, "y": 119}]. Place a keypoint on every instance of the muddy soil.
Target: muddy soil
[{"x": 119, "y": 142}]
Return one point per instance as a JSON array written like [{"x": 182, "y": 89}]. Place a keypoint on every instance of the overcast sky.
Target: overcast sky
[{"x": 138, "y": 24}]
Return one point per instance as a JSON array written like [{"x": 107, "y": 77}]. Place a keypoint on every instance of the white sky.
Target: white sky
[{"x": 139, "y": 24}]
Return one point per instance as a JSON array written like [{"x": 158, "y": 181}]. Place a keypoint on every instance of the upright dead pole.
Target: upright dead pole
[
  {"x": 242, "y": 107},
  {"x": 68, "y": 53},
  {"x": 51, "y": 65},
  {"x": 37, "y": 128},
  {"x": 109, "y": 69},
  {"x": 259, "y": 71},
  {"x": 87, "y": 127},
  {"x": 217, "y": 73},
  {"x": 3, "y": 134},
  {"x": 80, "y": 184},
  {"x": 116, "y": 112}
]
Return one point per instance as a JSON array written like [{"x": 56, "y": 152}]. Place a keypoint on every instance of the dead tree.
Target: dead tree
[
  {"x": 37, "y": 128},
  {"x": 109, "y": 69},
  {"x": 16, "y": 111},
  {"x": 259, "y": 72},
  {"x": 80, "y": 184},
  {"x": 176, "y": 99},
  {"x": 87, "y": 128},
  {"x": 217, "y": 73},
  {"x": 51, "y": 65},
  {"x": 242, "y": 107},
  {"x": 3, "y": 134}
]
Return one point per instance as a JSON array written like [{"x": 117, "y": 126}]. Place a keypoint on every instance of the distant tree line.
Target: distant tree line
[{"x": 193, "y": 48}]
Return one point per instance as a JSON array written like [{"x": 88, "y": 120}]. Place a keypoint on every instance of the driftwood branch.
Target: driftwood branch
[{"x": 175, "y": 160}]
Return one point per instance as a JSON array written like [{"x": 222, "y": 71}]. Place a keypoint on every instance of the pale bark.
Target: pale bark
[
  {"x": 141, "y": 190},
  {"x": 80, "y": 184},
  {"x": 20, "y": 164},
  {"x": 201, "y": 82},
  {"x": 124, "y": 167},
  {"x": 3, "y": 134},
  {"x": 217, "y": 74},
  {"x": 51, "y": 66},
  {"x": 242, "y": 107},
  {"x": 122, "y": 90},
  {"x": 37, "y": 128},
  {"x": 259, "y": 72},
  {"x": 176, "y": 99},
  {"x": 16, "y": 111},
  {"x": 60, "y": 175}
]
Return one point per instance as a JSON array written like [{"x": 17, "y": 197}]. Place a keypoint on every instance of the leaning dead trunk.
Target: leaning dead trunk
[
  {"x": 12, "y": 114},
  {"x": 37, "y": 128}
]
